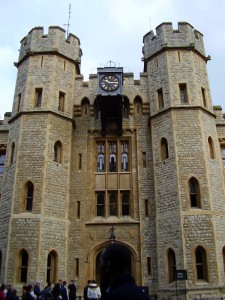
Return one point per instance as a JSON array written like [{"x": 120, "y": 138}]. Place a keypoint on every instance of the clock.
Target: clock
[{"x": 109, "y": 83}]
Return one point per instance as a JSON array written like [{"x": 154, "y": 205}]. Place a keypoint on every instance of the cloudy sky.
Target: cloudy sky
[{"x": 110, "y": 30}]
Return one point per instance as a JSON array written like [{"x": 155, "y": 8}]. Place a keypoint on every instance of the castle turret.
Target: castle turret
[
  {"x": 35, "y": 193},
  {"x": 187, "y": 171}
]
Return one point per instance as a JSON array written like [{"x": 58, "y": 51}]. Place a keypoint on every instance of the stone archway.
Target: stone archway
[{"x": 94, "y": 260}]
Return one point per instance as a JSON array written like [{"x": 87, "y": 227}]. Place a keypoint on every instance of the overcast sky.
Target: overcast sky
[{"x": 110, "y": 30}]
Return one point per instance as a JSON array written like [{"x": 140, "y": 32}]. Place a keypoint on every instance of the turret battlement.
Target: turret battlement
[
  {"x": 55, "y": 41},
  {"x": 166, "y": 37}
]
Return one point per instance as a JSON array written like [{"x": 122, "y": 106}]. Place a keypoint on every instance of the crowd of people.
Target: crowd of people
[
  {"x": 60, "y": 291},
  {"x": 117, "y": 282}
]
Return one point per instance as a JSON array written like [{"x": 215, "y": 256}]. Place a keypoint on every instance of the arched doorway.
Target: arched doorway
[{"x": 97, "y": 255}]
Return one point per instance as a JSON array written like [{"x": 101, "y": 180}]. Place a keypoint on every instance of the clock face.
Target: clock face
[{"x": 109, "y": 83}]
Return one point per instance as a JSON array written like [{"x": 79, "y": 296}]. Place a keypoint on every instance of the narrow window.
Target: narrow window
[
  {"x": 211, "y": 147},
  {"x": 201, "y": 263},
  {"x": 178, "y": 55},
  {"x": 204, "y": 97},
  {"x": 112, "y": 157},
  {"x": 29, "y": 196},
  {"x": 125, "y": 204},
  {"x": 160, "y": 98},
  {"x": 100, "y": 205},
  {"x": 149, "y": 266},
  {"x": 85, "y": 107},
  {"x": 101, "y": 157},
  {"x": 38, "y": 97},
  {"x": 138, "y": 105},
  {"x": 126, "y": 107},
  {"x": 76, "y": 267},
  {"x": 164, "y": 149},
  {"x": 194, "y": 193},
  {"x": 183, "y": 93},
  {"x": 57, "y": 154},
  {"x": 64, "y": 65},
  {"x": 144, "y": 160},
  {"x": 51, "y": 267},
  {"x": 80, "y": 161},
  {"x": 61, "y": 103},
  {"x": 42, "y": 58},
  {"x": 113, "y": 211},
  {"x": 171, "y": 264},
  {"x": 78, "y": 209},
  {"x": 223, "y": 156},
  {"x": 2, "y": 160},
  {"x": 23, "y": 266},
  {"x": 146, "y": 208},
  {"x": 124, "y": 156},
  {"x": 223, "y": 253},
  {"x": 18, "y": 103},
  {"x": 12, "y": 153}
]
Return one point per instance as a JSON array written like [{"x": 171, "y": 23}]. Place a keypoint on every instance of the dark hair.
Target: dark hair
[{"x": 118, "y": 256}]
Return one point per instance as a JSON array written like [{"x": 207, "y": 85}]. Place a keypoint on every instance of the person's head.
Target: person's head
[
  {"x": 115, "y": 261},
  {"x": 38, "y": 283},
  {"x": 29, "y": 288},
  {"x": 64, "y": 283}
]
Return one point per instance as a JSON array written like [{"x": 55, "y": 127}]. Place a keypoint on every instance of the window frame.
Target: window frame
[
  {"x": 160, "y": 98},
  {"x": 61, "y": 101},
  {"x": 58, "y": 152},
  {"x": 164, "y": 149},
  {"x": 104, "y": 205},
  {"x": 2, "y": 160},
  {"x": 183, "y": 93},
  {"x": 38, "y": 97},
  {"x": 172, "y": 267},
  {"x": 194, "y": 195},
  {"x": 201, "y": 266},
  {"x": 110, "y": 155}
]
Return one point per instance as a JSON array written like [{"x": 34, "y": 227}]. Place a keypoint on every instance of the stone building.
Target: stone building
[{"x": 137, "y": 162}]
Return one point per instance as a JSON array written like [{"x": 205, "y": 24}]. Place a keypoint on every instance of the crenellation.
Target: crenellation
[
  {"x": 186, "y": 37},
  {"x": 53, "y": 42}
]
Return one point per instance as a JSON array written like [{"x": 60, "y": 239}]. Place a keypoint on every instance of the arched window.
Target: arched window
[
  {"x": 12, "y": 153},
  {"x": 23, "y": 265},
  {"x": 125, "y": 204},
  {"x": 112, "y": 157},
  {"x": 194, "y": 193},
  {"x": 164, "y": 149},
  {"x": 171, "y": 264},
  {"x": 101, "y": 157},
  {"x": 138, "y": 105},
  {"x": 85, "y": 107},
  {"x": 124, "y": 156},
  {"x": 126, "y": 107},
  {"x": 223, "y": 156},
  {"x": 201, "y": 263},
  {"x": 113, "y": 211},
  {"x": 57, "y": 155},
  {"x": 29, "y": 196},
  {"x": 101, "y": 205},
  {"x": 52, "y": 264},
  {"x": 211, "y": 147}
]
